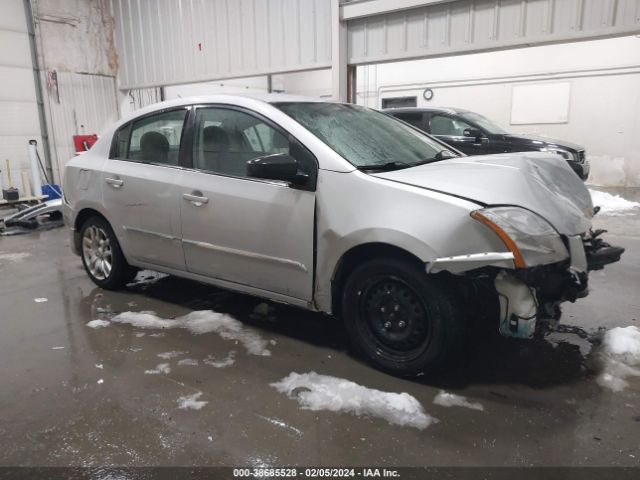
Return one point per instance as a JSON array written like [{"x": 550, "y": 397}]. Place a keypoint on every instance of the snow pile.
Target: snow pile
[
  {"x": 322, "y": 392},
  {"x": 13, "y": 257},
  {"x": 445, "y": 399},
  {"x": 612, "y": 204},
  {"x": 229, "y": 360},
  {"x": 191, "y": 402},
  {"x": 199, "y": 322},
  {"x": 160, "y": 368},
  {"x": 621, "y": 357},
  {"x": 98, "y": 323}
]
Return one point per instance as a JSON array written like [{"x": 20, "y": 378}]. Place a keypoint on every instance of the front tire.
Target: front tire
[
  {"x": 398, "y": 318},
  {"x": 102, "y": 257}
]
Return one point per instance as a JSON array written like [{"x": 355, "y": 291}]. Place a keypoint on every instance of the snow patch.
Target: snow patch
[
  {"x": 613, "y": 205},
  {"x": 445, "y": 399},
  {"x": 620, "y": 355},
  {"x": 99, "y": 365},
  {"x": 160, "y": 368},
  {"x": 190, "y": 362},
  {"x": 322, "y": 392},
  {"x": 98, "y": 323},
  {"x": 199, "y": 322},
  {"x": 191, "y": 402},
  {"x": 40, "y": 300},
  {"x": 169, "y": 355},
  {"x": 100, "y": 381},
  {"x": 229, "y": 360}
]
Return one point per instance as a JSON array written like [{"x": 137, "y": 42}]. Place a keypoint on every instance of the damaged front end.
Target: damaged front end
[
  {"x": 541, "y": 270},
  {"x": 530, "y": 298}
]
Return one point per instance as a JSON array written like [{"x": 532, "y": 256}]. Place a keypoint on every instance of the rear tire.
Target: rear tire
[
  {"x": 102, "y": 257},
  {"x": 399, "y": 319}
]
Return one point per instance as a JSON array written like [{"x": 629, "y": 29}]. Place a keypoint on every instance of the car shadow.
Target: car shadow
[{"x": 484, "y": 359}]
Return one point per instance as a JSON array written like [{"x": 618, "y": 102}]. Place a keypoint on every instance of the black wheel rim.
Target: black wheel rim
[{"x": 395, "y": 317}]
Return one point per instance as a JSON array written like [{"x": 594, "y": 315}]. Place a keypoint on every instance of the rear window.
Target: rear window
[{"x": 152, "y": 139}]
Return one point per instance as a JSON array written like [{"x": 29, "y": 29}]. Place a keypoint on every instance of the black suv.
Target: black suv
[{"x": 473, "y": 134}]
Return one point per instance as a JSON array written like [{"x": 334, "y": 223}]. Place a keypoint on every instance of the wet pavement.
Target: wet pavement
[{"x": 75, "y": 395}]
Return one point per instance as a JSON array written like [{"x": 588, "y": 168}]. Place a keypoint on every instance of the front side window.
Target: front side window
[
  {"x": 446, "y": 125},
  {"x": 362, "y": 136},
  {"x": 152, "y": 139},
  {"x": 484, "y": 123},
  {"x": 226, "y": 139}
]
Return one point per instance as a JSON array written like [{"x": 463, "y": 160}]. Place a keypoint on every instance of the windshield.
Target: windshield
[
  {"x": 364, "y": 137},
  {"x": 484, "y": 123}
]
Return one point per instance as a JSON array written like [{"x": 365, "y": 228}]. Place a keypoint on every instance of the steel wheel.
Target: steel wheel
[
  {"x": 97, "y": 252},
  {"x": 398, "y": 317},
  {"x": 395, "y": 314}
]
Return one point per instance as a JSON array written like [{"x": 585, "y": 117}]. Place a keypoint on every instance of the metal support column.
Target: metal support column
[
  {"x": 338, "y": 54},
  {"x": 39, "y": 98}
]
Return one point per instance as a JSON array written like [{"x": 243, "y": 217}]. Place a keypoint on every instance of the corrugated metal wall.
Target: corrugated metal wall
[
  {"x": 165, "y": 42},
  {"x": 477, "y": 25},
  {"x": 18, "y": 103},
  {"x": 87, "y": 104}
]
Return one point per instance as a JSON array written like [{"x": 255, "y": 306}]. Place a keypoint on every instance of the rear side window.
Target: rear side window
[
  {"x": 412, "y": 118},
  {"x": 152, "y": 139},
  {"x": 120, "y": 145}
]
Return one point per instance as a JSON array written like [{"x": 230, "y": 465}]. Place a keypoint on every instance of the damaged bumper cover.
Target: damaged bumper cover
[{"x": 530, "y": 298}]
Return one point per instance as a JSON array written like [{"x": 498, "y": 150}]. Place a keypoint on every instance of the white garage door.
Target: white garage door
[{"x": 19, "y": 120}]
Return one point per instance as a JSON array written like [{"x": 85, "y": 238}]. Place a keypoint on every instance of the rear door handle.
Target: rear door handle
[
  {"x": 114, "y": 182},
  {"x": 195, "y": 198}
]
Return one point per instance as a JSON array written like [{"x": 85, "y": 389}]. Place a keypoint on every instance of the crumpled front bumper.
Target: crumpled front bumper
[{"x": 530, "y": 298}]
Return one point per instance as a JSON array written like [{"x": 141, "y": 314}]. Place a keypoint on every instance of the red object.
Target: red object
[{"x": 84, "y": 142}]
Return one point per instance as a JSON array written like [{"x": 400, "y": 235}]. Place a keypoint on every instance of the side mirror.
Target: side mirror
[
  {"x": 472, "y": 132},
  {"x": 278, "y": 166}
]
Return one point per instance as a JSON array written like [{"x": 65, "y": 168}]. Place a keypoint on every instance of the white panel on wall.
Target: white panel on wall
[
  {"x": 460, "y": 26},
  {"x": 19, "y": 121},
  {"x": 168, "y": 42},
  {"x": 540, "y": 103}
]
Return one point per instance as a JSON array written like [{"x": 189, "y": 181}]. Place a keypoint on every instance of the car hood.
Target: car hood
[
  {"x": 540, "y": 142},
  {"x": 536, "y": 181}
]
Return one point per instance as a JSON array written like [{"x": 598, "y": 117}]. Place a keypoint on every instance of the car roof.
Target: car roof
[
  {"x": 426, "y": 109},
  {"x": 225, "y": 98}
]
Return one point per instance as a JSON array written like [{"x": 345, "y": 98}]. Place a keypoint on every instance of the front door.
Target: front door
[
  {"x": 251, "y": 232},
  {"x": 141, "y": 191}
]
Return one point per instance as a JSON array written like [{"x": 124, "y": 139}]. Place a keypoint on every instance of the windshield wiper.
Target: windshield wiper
[
  {"x": 384, "y": 166},
  {"x": 441, "y": 155}
]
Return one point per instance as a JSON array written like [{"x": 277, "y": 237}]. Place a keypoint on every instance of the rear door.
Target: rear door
[
  {"x": 141, "y": 188},
  {"x": 248, "y": 231}
]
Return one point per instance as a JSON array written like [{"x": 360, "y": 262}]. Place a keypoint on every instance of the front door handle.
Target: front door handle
[
  {"x": 114, "y": 182},
  {"x": 195, "y": 198}
]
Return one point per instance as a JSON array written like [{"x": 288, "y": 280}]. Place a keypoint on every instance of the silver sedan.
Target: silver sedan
[{"x": 340, "y": 209}]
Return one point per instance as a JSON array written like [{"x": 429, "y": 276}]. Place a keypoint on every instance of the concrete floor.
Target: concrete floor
[{"x": 542, "y": 405}]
